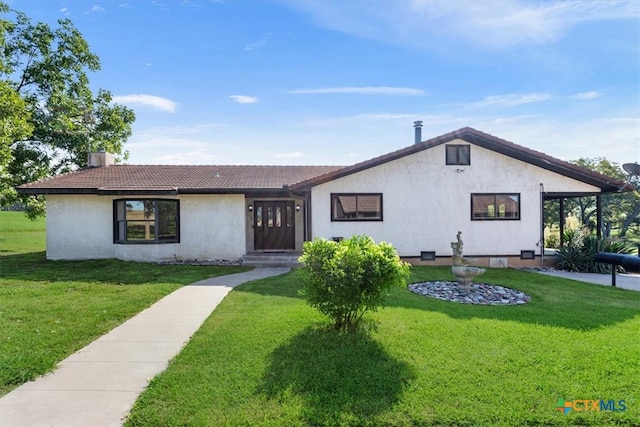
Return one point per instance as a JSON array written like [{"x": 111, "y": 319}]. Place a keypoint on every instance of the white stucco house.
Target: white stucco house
[{"x": 416, "y": 198}]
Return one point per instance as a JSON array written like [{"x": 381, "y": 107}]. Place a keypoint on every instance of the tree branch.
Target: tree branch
[{"x": 23, "y": 79}]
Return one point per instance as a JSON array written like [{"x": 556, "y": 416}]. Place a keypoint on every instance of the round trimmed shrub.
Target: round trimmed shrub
[{"x": 345, "y": 279}]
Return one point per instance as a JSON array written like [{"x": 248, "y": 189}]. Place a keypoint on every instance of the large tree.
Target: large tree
[
  {"x": 619, "y": 210},
  {"x": 14, "y": 126},
  {"x": 47, "y": 68}
]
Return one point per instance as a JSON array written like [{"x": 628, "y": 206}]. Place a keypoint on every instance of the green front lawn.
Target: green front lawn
[
  {"x": 50, "y": 309},
  {"x": 265, "y": 358}
]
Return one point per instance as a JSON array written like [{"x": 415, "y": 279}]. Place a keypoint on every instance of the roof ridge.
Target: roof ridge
[{"x": 202, "y": 177}]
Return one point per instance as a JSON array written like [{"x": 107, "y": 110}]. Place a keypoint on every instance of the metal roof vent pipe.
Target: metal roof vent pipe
[{"x": 417, "y": 125}]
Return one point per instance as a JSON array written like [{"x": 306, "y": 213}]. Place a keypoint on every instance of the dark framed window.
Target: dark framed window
[
  {"x": 356, "y": 207},
  {"x": 146, "y": 221},
  {"x": 496, "y": 206},
  {"x": 458, "y": 154}
]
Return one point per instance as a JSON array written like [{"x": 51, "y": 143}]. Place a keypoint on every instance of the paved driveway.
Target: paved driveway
[{"x": 623, "y": 281}]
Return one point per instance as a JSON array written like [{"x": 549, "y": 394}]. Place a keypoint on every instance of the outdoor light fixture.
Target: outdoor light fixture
[
  {"x": 250, "y": 208},
  {"x": 297, "y": 208}
]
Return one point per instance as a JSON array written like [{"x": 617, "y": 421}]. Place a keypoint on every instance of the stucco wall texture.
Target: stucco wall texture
[
  {"x": 426, "y": 202},
  {"x": 81, "y": 227}
]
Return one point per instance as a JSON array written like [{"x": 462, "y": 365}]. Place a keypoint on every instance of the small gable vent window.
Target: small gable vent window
[
  {"x": 356, "y": 207},
  {"x": 458, "y": 154},
  {"x": 146, "y": 221}
]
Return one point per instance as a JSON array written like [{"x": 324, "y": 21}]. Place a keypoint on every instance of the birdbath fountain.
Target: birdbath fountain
[{"x": 460, "y": 267}]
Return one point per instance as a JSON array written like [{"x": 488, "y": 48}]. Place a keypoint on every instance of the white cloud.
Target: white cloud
[
  {"x": 152, "y": 101},
  {"x": 166, "y": 132},
  {"x": 172, "y": 145},
  {"x": 387, "y": 116},
  {"x": 244, "y": 99},
  {"x": 613, "y": 138},
  {"x": 511, "y": 100},
  {"x": 295, "y": 155},
  {"x": 516, "y": 120},
  {"x": 563, "y": 136},
  {"x": 257, "y": 45},
  {"x": 365, "y": 90},
  {"x": 490, "y": 24},
  {"x": 186, "y": 158},
  {"x": 95, "y": 9},
  {"x": 585, "y": 96}
]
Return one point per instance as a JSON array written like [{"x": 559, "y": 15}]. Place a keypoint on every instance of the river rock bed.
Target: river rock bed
[{"x": 479, "y": 293}]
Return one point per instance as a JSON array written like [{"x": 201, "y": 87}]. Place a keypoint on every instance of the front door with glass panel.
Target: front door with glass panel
[{"x": 274, "y": 225}]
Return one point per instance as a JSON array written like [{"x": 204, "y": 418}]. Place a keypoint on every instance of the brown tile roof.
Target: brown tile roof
[
  {"x": 605, "y": 183},
  {"x": 174, "y": 179},
  {"x": 216, "y": 179}
]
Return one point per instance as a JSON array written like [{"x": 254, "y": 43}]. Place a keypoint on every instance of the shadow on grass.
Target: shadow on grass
[
  {"x": 34, "y": 266},
  {"x": 339, "y": 377}
]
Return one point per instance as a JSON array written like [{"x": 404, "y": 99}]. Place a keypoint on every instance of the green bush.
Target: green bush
[
  {"x": 573, "y": 258},
  {"x": 345, "y": 279},
  {"x": 578, "y": 254},
  {"x": 552, "y": 241}
]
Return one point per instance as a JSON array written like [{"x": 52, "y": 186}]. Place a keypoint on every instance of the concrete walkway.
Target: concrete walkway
[
  {"x": 98, "y": 385},
  {"x": 623, "y": 281}
]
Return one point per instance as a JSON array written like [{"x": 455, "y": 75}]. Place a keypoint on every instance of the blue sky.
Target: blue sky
[{"x": 338, "y": 82}]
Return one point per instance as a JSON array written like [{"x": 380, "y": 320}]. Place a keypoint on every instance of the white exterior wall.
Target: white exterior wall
[
  {"x": 426, "y": 202},
  {"x": 81, "y": 227}
]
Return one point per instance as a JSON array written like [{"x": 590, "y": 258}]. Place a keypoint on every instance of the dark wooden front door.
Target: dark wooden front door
[{"x": 274, "y": 225}]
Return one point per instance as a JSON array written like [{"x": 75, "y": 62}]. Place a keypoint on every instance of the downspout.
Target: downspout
[
  {"x": 561, "y": 215},
  {"x": 306, "y": 212},
  {"x": 599, "y": 219},
  {"x": 542, "y": 225},
  {"x": 307, "y": 217}
]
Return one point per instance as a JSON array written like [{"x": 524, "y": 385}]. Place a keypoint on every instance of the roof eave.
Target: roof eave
[
  {"x": 385, "y": 158},
  {"x": 44, "y": 191},
  {"x": 274, "y": 191},
  {"x": 490, "y": 142}
]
